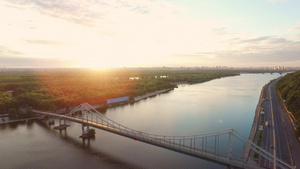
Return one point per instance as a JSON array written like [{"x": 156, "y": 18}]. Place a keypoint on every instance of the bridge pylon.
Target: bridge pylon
[
  {"x": 83, "y": 129},
  {"x": 83, "y": 113},
  {"x": 62, "y": 119}
]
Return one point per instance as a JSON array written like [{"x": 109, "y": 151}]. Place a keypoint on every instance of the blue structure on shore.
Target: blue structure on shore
[{"x": 116, "y": 100}]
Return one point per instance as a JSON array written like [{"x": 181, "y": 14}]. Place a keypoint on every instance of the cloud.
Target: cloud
[
  {"x": 257, "y": 39},
  {"x": 257, "y": 51},
  {"x": 141, "y": 9},
  {"x": 294, "y": 29},
  {"x": 30, "y": 62},
  {"x": 73, "y": 11},
  {"x": 130, "y": 33},
  {"x": 262, "y": 50},
  {"x": 7, "y": 52},
  {"x": 16, "y": 59},
  {"x": 93, "y": 12},
  {"x": 46, "y": 42}
]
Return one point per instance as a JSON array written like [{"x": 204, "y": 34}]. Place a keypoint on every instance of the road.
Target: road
[{"x": 276, "y": 135}]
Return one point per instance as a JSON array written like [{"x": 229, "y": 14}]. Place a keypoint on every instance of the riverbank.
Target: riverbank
[
  {"x": 13, "y": 121},
  {"x": 135, "y": 99},
  {"x": 151, "y": 94},
  {"x": 255, "y": 124}
]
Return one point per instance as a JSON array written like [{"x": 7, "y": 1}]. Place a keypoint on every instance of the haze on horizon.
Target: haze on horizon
[{"x": 147, "y": 33}]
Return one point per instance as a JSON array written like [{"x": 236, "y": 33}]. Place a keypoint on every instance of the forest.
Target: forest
[
  {"x": 55, "y": 89},
  {"x": 289, "y": 89}
]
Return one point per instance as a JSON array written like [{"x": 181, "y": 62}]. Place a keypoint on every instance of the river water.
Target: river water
[{"x": 188, "y": 110}]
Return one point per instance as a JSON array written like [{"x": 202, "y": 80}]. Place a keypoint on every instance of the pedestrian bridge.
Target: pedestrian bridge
[{"x": 222, "y": 147}]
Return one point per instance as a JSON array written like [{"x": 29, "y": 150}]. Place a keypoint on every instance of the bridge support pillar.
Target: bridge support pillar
[
  {"x": 64, "y": 120},
  {"x": 87, "y": 133},
  {"x": 51, "y": 120},
  {"x": 61, "y": 125},
  {"x": 87, "y": 129}
]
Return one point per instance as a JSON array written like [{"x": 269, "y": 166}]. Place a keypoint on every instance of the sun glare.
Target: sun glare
[{"x": 99, "y": 63}]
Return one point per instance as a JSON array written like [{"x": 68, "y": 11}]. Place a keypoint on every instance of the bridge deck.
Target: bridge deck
[
  {"x": 167, "y": 144},
  {"x": 174, "y": 143}
]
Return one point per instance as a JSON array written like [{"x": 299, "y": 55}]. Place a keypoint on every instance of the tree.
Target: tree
[{"x": 13, "y": 113}]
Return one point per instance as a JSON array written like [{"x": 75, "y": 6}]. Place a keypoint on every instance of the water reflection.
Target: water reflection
[
  {"x": 85, "y": 145},
  {"x": 14, "y": 125}
]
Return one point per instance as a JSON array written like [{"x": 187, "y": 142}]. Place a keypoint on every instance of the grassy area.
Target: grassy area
[
  {"x": 255, "y": 156},
  {"x": 260, "y": 133},
  {"x": 289, "y": 89},
  {"x": 259, "y": 139},
  {"x": 262, "y": 117}
]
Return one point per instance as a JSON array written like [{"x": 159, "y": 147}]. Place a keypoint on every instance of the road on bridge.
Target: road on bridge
[{"x": 278, "y": 134}]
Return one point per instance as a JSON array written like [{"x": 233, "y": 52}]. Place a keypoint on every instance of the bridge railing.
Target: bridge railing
[
  {"x": 217, "y": 145},
  {"x": 270, "y": 157},
  {"x": 110, "y": 123},
  {"x": 194, "y": 142}
]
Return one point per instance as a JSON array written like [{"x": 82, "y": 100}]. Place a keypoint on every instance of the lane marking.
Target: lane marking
[{"x": 274, "y": 150}]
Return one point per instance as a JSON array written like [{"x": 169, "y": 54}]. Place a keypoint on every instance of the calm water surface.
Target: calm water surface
[{"x": 188, "y": 110}]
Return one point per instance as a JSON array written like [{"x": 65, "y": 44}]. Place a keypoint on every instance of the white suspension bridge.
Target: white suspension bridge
[{"x": 220, "y": 147}]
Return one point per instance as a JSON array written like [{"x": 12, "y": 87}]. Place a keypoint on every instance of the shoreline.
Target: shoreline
[
  {"x": 254, "y": 127},
  {"x": 18, "y": 120},
  {"x": 138, "y": 98}
]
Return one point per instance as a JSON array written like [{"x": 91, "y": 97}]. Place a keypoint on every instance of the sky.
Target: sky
[{"x": 149, "y": 33}]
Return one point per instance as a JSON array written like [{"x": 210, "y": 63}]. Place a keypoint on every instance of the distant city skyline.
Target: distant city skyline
[{"x": 145, "y": 33}]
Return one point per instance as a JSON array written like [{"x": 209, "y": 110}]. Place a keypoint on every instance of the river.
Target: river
[{"x": 187, "y": 110}]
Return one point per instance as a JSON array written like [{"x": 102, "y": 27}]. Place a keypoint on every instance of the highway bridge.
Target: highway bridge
[{"x": 218, "y": 147}]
